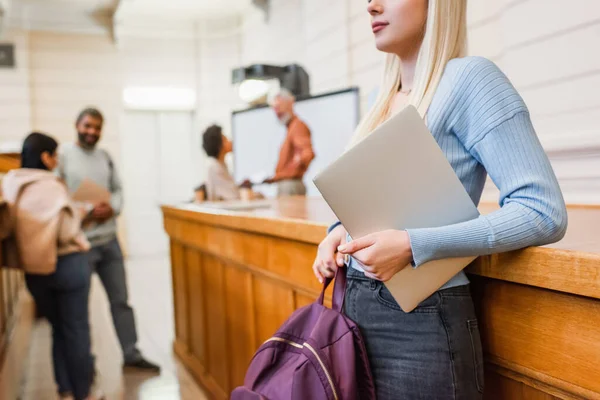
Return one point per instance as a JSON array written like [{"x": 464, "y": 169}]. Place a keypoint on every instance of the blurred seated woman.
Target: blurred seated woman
[
  {"x": 219, "y": 182},
  {"x": 50, "y": 247}
]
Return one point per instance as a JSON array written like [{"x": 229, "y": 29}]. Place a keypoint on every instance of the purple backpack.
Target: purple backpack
[{"x": 317, "y": 354}]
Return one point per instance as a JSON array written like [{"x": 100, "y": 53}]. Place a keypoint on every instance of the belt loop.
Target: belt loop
[{"x": 373, "y": 284}]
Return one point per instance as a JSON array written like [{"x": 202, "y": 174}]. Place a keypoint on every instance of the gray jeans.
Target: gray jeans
[
  {"x": 433, "y": 352},
  {"x": 291, "y": 187},
  {"x": 107, "y": 261}
]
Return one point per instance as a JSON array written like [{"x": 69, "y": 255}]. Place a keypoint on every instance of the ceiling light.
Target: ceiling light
[
  {"x": 159, "y": 98},
  {"x": 253, "y": 90}
]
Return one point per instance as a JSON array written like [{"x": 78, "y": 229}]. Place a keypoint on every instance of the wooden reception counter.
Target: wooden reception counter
[
  {"x": 11, "y": 281},
  {"x": 237, "y": 275},
  {"x": 9, "y": 161}
]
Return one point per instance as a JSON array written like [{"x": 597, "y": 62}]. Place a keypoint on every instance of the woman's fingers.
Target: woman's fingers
[
  {"x": 317, "y": 272},
  {"x": 357, "y": 245},
  {"x": 341, "y": 258},
  {"x": 328, "y": 272},
  {"x": 328, "y": 261},
  {"x": 328, "y": 266},
  {"x": 322, "y": 271}
]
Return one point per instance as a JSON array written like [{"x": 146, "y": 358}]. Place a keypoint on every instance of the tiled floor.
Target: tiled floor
[{"x": 151, "y": 297}]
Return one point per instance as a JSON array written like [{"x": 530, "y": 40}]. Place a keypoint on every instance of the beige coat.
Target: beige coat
[{"x": 40, "y": 220}]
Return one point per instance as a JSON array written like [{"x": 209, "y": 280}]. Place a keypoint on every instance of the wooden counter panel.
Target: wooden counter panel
[
  {"x": 301, "y": 300},
  {"x": 561, "y": 270},
  {"x": 290, "y": 259},
  {"x": 553, "y": 337},
  {"x": 273, "y": 304},
  {"x": 9, "y": 161},
  {"x": 11, "y": 286},
  {"x": 3, "y": 300},
  {"x": 499, "y": 387},
  {"x": 278, "y": 259},
  {"x": 197, "y": 305},
  {"x": 180, "y": 291},
  {"x": 216, "y": 324},
  {"x": 240, "y": 247},
  {"x": 237, "y": 246},
  {"x": 241, "y": 325}
]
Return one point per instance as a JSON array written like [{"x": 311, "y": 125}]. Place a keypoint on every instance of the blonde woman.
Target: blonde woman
[{"x": 483, "y": 127}]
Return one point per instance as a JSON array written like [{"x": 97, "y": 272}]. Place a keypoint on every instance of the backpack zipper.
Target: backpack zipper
[
  {"x": 314, "y": 352},
  {"x": 278, "y": 339}
]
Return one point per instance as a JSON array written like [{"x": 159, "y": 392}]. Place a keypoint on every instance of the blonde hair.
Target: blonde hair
[{"x": 445, "y": 38}]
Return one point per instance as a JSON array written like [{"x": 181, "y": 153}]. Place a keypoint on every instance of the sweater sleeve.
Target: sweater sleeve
[
  {"x": 224, "y": 186},
  {"x": 333, "y": 226},
  {"x": 495, "y": 127}
]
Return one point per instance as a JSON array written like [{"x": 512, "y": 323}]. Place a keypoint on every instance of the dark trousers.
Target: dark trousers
[
  {"x": 433, "y": 352},
  {"x": 63, "y": 299},
  {"x": 107, "y": 261}
]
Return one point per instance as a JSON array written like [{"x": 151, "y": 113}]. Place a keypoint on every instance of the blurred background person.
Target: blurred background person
[
  {"x": 220, "y": 185},
  {"x": 296, "y": 152},
  {"x": 51, "y": 248},
  {"x": 80, "y": 161},
  {"x": 200, "y": 193}
]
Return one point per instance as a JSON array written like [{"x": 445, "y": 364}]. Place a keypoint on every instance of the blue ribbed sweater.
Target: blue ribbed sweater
[{"x": 483, "y": 127}]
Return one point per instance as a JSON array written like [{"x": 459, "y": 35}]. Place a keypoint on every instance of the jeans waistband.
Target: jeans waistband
[{"x": 355, "y": 274}]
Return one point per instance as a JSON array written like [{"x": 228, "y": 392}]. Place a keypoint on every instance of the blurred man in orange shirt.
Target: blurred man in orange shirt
[{"x": 296, "y": 151}]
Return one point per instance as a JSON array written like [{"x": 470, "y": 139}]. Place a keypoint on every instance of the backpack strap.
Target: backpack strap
[{"x": 339, "y": 290}]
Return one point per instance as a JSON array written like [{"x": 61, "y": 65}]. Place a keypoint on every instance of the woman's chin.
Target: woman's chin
[{"x": 383, "y": 45}]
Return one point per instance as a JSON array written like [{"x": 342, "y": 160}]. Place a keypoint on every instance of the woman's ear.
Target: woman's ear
[
  {"x": 49, "y": 160},
  {"x": 45, "y": 157}
]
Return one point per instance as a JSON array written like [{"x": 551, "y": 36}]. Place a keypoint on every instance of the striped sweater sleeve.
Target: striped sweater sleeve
[{"x": 494, "y": 125}]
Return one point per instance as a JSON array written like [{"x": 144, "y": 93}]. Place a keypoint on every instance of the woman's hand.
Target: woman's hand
[
  {"x": 327, "y": 261},
  {"x": 381, "y": 254}
]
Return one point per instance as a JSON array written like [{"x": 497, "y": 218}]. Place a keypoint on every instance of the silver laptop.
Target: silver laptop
[{"x": 398, "y": 178}]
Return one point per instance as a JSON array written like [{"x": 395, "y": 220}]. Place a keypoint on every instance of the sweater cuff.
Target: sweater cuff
[
  {"x": 332, "y": 227},
  {"x": 430, "y": 244},
  {"x": 461, "y": 240},
  {"x": 421, "y": 248}
]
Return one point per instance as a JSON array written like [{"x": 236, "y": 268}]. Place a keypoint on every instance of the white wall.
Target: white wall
[
  {"x": 69, "y": 72},
  {"x": 58, "y": 74},
  {"x": 547, "y": 50},
  {"x": 219, "y": 52},
  {"x": 198, "y": 55},
  {"x": 15, "y": 101}
]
